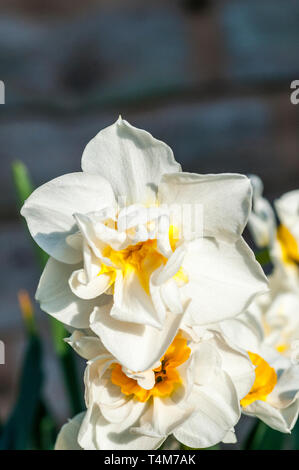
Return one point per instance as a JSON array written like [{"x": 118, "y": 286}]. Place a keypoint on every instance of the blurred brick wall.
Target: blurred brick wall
[{"x": 211, "y": 78}]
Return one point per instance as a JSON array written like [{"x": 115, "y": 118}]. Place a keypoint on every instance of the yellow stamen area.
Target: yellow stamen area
[
  {"x": 181, "y": 277},
  {"x": 173, "y": 236},
  {"x": 265, "y": 380},
  {"x": 167, "y": 378},
  {"x": 142, "y": 258},
  {"x": 288, "y": 244},
  {"x": 281, "y": 348}
]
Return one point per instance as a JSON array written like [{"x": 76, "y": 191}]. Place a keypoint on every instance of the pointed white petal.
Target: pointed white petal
[
  {"x": 88, "y": 347},
  {"x": 224, "y": 278},
  {"x": 225, "y": 200},
  {"x": 130, "y": 159},
  {"x": 49, "y": 211},
  {"x": 217, "y": 411},
  {"x": 67, "y": 438}
]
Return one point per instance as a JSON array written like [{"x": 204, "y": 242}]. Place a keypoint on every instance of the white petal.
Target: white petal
[
  {"x": 57, "y": 299},
  {"x": 67, "y": 438},
  {"x": 49, "y": 211},
  {"x": 172, "y": 266},
  {"x": 287, "y": 207},
  {"x": 88, "y": 290},
  {"x": 119, "y": 411},
  {"x": 262, "y": 222},
  {"x": 97, "y": 433},
  {"x": 170, "y": 293},
  {"x": 282, "y": 420},
  {"x": 286, "y": 390},
  {"x": 75, "y": 241},
  {"x": 136, "y": 347},
  {"x": 206, "y": 362},
  {"x": 97, "y": 235},
  {"x": 165, "y": 296},
  {"x": 236, "y": 363},
  {"x": 96, "y": 379},
  {"x": 230, "y": 437},
  {"x": 88, "y": 347},
  {"x": 132, "y": 303},
  {"x": 144, "y": 379},
  {"x": 130, "y": 159},
  {"x": 224, "y": 278},
  {"x": 225, "y": 200},
  {"x": 244, "y": 332},
  {"x": 217, "y": 412},
  {"x": 92, "y": 264},
  {"x": 162, "y": 417}
]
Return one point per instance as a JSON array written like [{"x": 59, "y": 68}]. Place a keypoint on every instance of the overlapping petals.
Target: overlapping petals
[
  {"x": 200, "y": 412},
  {"x": 149, "y": 266},
  {"x": 135, "y": 242},
  {"x": 274, "y": 397}
]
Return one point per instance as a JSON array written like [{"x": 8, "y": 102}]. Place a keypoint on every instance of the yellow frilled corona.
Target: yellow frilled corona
[
  {"x": 265, "y": 380},
  {"x": 167, "y": 378}
]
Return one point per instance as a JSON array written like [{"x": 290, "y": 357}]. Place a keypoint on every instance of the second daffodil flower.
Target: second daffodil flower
[
  {"x": 124, "y": 262},
  {"x": 274, "y": 396},
  {"x": 193, "y": 392},
  {"x": 281, "y": 240}
]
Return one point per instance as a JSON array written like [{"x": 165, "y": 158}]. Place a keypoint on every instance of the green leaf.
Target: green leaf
[
  {"x": 263, "y": 257},
  {"x": 17, "y": 432},
  {"x": 295, "y": 437},
  {"x": 45, "y": 431},
  {"x": 262, "y": 437}
]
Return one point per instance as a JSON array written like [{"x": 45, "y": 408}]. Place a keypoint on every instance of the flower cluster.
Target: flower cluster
[{"x": 150, "y": 273}]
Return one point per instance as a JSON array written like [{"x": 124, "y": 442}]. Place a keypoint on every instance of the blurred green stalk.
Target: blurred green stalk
[
  {"x": 24, "y": 188},
  {"x": 262, "y": 437},
  {"x": 263, "y": 257}
]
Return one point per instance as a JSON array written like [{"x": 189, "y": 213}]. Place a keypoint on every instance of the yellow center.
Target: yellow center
[
  {"x": 288, "y": 244},
  {"x": 282, "y": 348},
  {"x": 265, "y": 380},
  {"x": 167, "y": 377},
  {"x": 142, "y": 258}
]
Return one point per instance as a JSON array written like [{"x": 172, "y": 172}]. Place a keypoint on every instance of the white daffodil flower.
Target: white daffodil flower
[
  {"x": 136, "y": 243},
  {"x": 278, "y": 312},
  {"x": 274, "y": 396},
  {"x": 282, "y": 240},
  {"x": 192, "y": 392},
  {"x": 280, "y": 306}
]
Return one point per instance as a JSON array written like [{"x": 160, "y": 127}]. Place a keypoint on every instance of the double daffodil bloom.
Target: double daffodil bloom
[
  {"x": 274, "y": 396},
  {"x": 279, "y": 311},
  {"x": 124, "y": 263},
  {"x": 280, "y": 306},
  {"x": 192, "y": 392}
]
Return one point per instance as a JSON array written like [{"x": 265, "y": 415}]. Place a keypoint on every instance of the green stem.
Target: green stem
[
  {"x": 68, "y": 365},
  {"x": 263, "y": 256},
  {"x": 255, "y": 435},
  {"x": 262, "y": 437}
]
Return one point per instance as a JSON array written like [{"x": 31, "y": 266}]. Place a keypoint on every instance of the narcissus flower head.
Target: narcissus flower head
[
  {"x": 274, "y": 395},
  {"x": 282, "y": 239},
  {"x": 135, "y": 244},
  {"x": 193, "y": 392}
]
